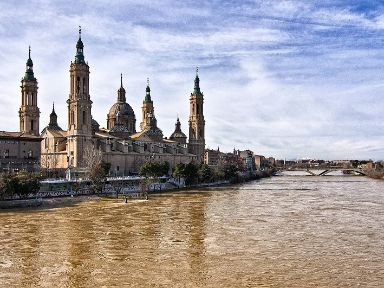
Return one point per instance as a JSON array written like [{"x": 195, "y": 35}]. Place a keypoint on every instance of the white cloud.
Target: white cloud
[{"x": 283, "y": 78}]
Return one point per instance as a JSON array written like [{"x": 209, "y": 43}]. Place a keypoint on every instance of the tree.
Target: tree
[
  {"x": 190, "y": 173},
  {"x": 21, "y": 184},
  {"x": 205, "y": 173},
  {"x": 154, "y": 169},
  {"x": 96, "y": 168}
]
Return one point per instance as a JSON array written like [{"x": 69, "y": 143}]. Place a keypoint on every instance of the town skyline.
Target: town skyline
[{"x": 302, "y": 80}]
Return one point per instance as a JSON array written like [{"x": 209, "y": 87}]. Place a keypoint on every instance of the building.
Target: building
[
  {"x": 21, "y": 150},
  {"x": 120, "y": 144},
  {"x": 260, "y": 162}
]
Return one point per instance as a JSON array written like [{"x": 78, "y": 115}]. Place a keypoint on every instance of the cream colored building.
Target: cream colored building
[
  {"x": 121, "y": 146},
  {"x": 21, "y": 150}
]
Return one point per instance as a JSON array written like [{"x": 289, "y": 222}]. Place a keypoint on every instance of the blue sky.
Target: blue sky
[{"x": 289, "y": 79}]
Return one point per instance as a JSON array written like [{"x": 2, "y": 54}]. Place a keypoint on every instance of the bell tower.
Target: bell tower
[
  {"x": 79, "y": 108},
  {"x": 196, "y": 121},
  {"x": 147, "y": 109},
  {"x": 29, "y": 113}
]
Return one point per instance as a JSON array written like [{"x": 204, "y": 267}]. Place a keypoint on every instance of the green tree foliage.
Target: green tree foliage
[
  {"x": 21, "y": 184},
  {"x": 190, "y": 173},
  {"x": 205, "y": 173},
  {"x": 187, "y": 171},
  {"x": 154, "y": 169},
  {"x": 178, "y": 171},
  {"x": 229, "y": 170}
]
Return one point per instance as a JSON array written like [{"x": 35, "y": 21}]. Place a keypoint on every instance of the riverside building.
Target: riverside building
[
  {"x": 21, "y": 150},
  {"x": 121, "y": 145}
]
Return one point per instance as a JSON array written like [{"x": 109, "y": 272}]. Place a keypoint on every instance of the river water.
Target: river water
[{"x": 287, "y": 231}]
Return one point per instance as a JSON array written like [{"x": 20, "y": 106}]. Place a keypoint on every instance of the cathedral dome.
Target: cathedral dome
[{"x": 123, "y": 108}]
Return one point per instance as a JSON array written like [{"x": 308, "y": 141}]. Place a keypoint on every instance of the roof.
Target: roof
[
  {"x": 123, "y": 107},
  {"x": 19, "y": 135},
  {"x": 55, "y": 132}
]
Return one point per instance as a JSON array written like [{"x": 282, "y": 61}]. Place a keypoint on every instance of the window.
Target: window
[
  {"x": 84, "y": 82},
  {"x": 84, "y": 117},
  {"x": 32, "y": 126},
  {"x": 78, "y": 85},
  {"x": 6, "y": 153}
]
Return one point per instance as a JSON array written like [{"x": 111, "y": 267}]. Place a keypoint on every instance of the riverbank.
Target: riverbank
[
  {"x": 66, "y": 198},
  {"x": 375, "y": 174}
]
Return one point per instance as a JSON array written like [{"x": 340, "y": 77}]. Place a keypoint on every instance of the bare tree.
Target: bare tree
[{"x": 93, "y": 158}]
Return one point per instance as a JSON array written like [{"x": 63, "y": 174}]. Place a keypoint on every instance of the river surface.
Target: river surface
[{"x": 286, "y": 231}]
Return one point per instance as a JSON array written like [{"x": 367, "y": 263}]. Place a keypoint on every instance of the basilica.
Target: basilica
[{"x": 122, "y": 145}]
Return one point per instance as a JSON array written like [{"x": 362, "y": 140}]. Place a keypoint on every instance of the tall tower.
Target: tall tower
[
  {"x": 29, "y": 113},
  {"x": 79, "y": 108},
  {"x": 196, "y": 143},
  {"x": 147, "y": 109}
]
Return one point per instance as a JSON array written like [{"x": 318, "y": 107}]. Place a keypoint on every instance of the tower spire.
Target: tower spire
[
  {"x": 29, "y": 75},
  {"x": 79, "y": 58},
  {"x": 121, "y": 91},
  {"x": 148, "y": 93},
  {"x": 197, "y": 80}
]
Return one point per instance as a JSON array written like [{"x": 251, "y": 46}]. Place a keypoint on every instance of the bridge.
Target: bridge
[{"x": 326, "y": 171}]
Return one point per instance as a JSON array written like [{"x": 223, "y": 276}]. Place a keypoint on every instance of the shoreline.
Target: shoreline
[{"x": 66, "y": 200}]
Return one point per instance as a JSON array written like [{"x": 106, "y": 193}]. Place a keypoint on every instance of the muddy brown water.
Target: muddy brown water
[{"x": 287, "y": 231}]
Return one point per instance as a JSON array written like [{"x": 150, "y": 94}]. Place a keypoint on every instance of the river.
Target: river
[{"x": 286, "y": 231}]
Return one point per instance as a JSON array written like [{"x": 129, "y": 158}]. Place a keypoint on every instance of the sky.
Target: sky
[{"x": 288, "y": 79}]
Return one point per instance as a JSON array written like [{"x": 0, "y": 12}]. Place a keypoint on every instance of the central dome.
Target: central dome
[{"x": 124, "y": 108}]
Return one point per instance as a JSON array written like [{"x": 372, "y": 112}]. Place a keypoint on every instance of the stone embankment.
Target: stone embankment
[{"x": 155, "y": 188}]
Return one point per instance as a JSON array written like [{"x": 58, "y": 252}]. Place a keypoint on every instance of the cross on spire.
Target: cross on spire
[{"x": 79, "y": 32}]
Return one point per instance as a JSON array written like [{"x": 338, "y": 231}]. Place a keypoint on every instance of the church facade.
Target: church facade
[{"x": 121, "y": 145}]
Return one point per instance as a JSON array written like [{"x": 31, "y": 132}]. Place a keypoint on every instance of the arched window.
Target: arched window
[
  {"x": 32, "y": 124},
  {"x": 84, "y": 117},
  {"x": 84, "y": 85},
  {"x": 78, "y": 85}
]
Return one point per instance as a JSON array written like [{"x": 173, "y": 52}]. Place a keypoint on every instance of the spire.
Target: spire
[
  {"x": 121, "y": 91},
  {"x": 79, "y": 58},
  {"x": 29, "y": 67},
  {"x": 53, "y": 117},
  {"x": 147, "y": 93},
  {"x": 197, "y": 80},
  {"x": 178, "y": 125}
]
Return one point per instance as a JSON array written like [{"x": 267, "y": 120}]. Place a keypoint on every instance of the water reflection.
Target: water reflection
[{"x": 278, "y": 232}]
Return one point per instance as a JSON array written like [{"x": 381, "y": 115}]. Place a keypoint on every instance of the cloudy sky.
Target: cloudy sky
[{"x": 289, "y": 79}]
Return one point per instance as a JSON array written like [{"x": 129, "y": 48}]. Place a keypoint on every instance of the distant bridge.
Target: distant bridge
[{"x": 325, "y": 171}]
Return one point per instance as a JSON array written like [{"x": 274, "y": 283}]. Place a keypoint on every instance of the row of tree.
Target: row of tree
[
  {"x": 191, "y": 173},
  {"x": 20, "y": 184}
]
